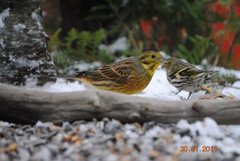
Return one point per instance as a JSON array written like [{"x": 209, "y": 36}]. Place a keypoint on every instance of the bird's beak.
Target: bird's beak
[
  {"x": 164, "y": 62},
  {"x": 162, "y": 59}
]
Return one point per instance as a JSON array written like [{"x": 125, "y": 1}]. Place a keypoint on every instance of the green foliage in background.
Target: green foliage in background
[
  {"x": 170, "y": 19},
  {"x": 200, "y": 48},
  {"x": 78, "y": 46},
  {"x": 171, "y": 16}
]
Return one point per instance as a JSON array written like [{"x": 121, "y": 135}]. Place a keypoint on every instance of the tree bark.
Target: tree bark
[
  {"x": 20, "y": 105},
  {"x": 23, "y": 47}
]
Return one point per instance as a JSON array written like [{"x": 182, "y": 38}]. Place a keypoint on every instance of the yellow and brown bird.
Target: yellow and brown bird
[{"x": 128, "y": 76}]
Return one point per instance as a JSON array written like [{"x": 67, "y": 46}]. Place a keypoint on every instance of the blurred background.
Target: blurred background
[{"x": 205, "y": 31}]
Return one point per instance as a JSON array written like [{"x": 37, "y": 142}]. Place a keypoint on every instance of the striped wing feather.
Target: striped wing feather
[{"x": 117, "y": 72}]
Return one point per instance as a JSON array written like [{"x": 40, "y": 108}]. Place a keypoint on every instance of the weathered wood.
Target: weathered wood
[{"x": 28, "y": 106}]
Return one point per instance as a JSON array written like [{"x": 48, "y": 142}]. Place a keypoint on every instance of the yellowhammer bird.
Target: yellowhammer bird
[{"x": 128, "y": 76}]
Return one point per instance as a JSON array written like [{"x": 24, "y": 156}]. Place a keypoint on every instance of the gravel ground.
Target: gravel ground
[{"x": 110, "y": 140}]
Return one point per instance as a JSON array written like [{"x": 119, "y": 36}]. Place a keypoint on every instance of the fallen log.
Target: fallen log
[{"x": 20, "y": 105}]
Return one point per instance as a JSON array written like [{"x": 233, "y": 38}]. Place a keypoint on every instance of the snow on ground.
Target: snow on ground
[
  {"x": 225, "y": 71},
  {"x": 158, "y": 87},
  {"x": 62, "y": 85},
  {"x": 119, "y": 45}
]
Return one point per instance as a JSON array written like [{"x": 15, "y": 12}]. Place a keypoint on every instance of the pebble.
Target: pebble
[{"x": 111, "y": 140}]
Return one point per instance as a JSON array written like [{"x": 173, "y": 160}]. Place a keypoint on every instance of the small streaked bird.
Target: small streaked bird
[
  {"x": 185, "y": 76},
  {"x": 128, "y": 76}
]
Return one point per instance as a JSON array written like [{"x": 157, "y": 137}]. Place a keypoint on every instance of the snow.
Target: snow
[
  {"x": 119, "y": 45},
  {"x": 231, "y": 92},
  {"x": 225, "y": 71},
  {"x": 236, "y": 84},
  {"x": 61, "y": 85},
  {"x": 3, "y": 15},
  {"x": 31, "y": 82},
  {"x": 82, "y": 66}
]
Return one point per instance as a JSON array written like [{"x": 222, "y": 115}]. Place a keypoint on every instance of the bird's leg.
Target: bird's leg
[
  {"x": 178, "y": 92},
  {"x": 179, "y": 96},
  {"x": 189, "y": 95}
]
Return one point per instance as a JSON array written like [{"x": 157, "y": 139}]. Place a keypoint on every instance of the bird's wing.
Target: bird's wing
[{"x": 118, "y": 72}]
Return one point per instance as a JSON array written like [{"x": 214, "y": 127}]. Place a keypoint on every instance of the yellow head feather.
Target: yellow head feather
[{"x": 150, "y": 61}]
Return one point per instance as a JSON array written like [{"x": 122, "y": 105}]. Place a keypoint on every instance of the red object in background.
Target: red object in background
[
  {"x": 236, "y": 56},
  {"x": 146, "y": 26},
  {"x": 224, "y": 39},
  {"x": 217, "y": 32},
  {"x": 220, "y": 9},
  {"x": 236, "y": 8},
  {"x": 223, "y": 35}
]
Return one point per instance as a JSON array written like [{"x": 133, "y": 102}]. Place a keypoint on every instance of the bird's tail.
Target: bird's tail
[
  {"x": 81, "y": 74},
  {"x": 64, "y": 77},
  {"x": 212, "y": 72},
  {"x": 209, "y": 75},
  {"x": 72, "y": 77}
]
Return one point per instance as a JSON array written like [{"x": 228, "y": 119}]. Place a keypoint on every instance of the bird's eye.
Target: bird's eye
[{"x": 153, "y": 56}]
